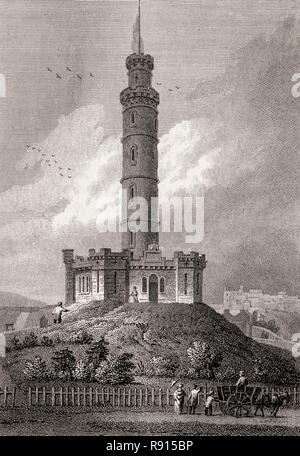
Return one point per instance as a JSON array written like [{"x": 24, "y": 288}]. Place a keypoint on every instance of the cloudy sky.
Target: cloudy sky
[{"x": 233, "y": 120}]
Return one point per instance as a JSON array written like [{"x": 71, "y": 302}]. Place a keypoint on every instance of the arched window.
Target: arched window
[
  {"x": 132, "y": 238},
  {"x": 144, "y": 285},
  {"x": 132, "y": 191},
  {"x": 132, "y": 118},
  {"x": 198, "y": 283},
  {"x": 83, "y": 284},
  {"x": 185, "y": 283},
  {"x": 133, "y": 154},
  {"x": 115, "y": 281},
  {"x": 162, "y": 285},
  {"x": 87, "y": 284}
]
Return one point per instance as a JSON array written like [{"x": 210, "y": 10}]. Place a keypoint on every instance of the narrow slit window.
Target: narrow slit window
[
  {"x": 162, "y": 285},
  {"x": 144, "y": 285},
  {"x": 83, "y": 284},
  {"x": 98, "y": 281},
  {"x": 115, "y": 282},
  {"x": 185, "y": 283}
]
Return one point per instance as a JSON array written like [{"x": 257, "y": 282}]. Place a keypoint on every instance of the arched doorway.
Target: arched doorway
[{"x": 153, "y": 288}]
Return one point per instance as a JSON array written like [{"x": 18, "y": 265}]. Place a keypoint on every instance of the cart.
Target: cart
[{"x": 237, "y": 403}]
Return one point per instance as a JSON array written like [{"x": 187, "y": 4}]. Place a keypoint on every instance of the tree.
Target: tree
[
  {"x": 97, "y": 352},
  {"x": 203, "y": 360},
  {"x": 83, "y": 371},
  {"x": 116, "y": 369},
  {"x": 63, "y": 362},
  {"x": 36, "y": 369},
  {"x": 31, "y": 340}
]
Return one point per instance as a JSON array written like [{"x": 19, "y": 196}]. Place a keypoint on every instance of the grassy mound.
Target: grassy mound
[{"x": 148, "y": 330}]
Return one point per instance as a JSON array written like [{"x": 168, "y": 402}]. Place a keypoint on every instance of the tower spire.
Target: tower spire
[{"x": 137, "y": 42}]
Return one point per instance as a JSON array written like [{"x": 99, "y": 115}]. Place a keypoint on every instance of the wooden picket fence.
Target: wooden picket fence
[
  {"x": 139, "y": 397},
  {"x": 7, "y": 397},
  {"x": 101, "y": 396}
]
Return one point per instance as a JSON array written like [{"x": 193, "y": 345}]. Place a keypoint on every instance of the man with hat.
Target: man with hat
[
  {"x": 208, "y": 404},
  {"x": 179, "y": 394},
  {"x": 242, "y": 382}
]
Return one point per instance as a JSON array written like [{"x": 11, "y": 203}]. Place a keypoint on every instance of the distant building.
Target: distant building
[
  {"x": 18, "y": 318},
  {"x": 255, "y": 300}
]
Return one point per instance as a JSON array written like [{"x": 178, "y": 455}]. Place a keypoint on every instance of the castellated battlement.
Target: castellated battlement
[
  {"x": 140, "y": 62},
  {"x": 139, "y": 96}
]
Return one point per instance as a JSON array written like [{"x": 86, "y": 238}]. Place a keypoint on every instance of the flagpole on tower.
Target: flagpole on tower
[{"x": 139, "y": 26}]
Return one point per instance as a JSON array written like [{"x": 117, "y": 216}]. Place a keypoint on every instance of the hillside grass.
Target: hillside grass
[{"x": 148, "y": 330}]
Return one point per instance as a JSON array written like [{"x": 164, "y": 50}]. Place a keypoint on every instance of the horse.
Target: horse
[{"x": 274, "y": 402}]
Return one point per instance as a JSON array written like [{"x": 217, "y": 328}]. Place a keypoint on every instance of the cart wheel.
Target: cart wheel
[{"x": 239, "y": 404}]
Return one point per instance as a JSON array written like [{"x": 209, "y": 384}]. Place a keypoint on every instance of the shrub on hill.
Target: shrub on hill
[{"x": 36, "y": 369}]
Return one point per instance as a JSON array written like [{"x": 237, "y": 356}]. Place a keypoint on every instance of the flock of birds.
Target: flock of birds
[
  {"x": 51, "y": 161},
  {"x": 58, "y": 75},
  {"x": 170, "y": 90}
]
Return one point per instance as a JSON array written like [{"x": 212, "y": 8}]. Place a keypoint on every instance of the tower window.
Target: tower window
[
  {"x": 132, "y": 118},
  {"x": 115, "y": 282},
  {"x": 133, "y": 154},
  {"x": 79, "y": 284},
  {"x": 132, "y": 238},
  {"x": 155, "y": 124},
  {"x": 144, "y": 285},
  {"x": 132, "y": 191},
  {"x": 162, "y": 285},
  {"x": 198, "y": 283},
  {"x": 98, "y": 281},
  {"x": 185, "y": 283},
  {"x": 88, "y": 282},
  {"x": 83, "y": 285}
]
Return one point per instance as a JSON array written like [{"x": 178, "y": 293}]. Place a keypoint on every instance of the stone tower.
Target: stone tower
[{"x": 140, "y": 161}]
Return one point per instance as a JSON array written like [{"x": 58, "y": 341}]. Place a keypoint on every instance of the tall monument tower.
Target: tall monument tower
[
  {"x": 139, "y": 272},
  {"x": 140, "y": 139}
]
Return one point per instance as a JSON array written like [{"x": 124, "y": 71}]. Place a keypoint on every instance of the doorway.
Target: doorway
[{"x": 153, "y": 288}]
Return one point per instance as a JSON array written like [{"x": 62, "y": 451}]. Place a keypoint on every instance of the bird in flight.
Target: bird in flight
[
  {"x": 49, "y": 69},
  {"x": 177, "y": 87},
  {"x": 69, "y": 177},
  {"x": 58, "y": 76},
  {"x": 91, "y": 74},
  {"x": 159, "y": 83},
  {"x": 68, "y": 68},
  {"x": 79, "y": 77},
  {"x": 170, "y": 90},
  {"x": 27, "y": 145},
  {"x": 61, "y": 174}
]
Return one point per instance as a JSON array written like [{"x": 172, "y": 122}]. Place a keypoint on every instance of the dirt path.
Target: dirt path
[{"x": 143, "y": 423}]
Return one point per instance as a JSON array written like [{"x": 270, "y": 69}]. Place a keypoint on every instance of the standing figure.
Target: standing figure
[
  {"x": 193, "y": 399},
  {"x": 242, "y": 382},
  {"x": 179, "y": 399},
  {"x": 208, "y": 404},
  {"x": 134, "y": 294},
  {"x": 57, "y": 312}
]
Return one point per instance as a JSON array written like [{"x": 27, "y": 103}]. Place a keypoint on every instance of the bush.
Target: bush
[
  {"x": 16, "y": 344},
  {"x": 30, "y": 341},
  {"x": 228, "y": 374},
  {"x": 97, "y": 352},
  {"x": 82, "y": 338},
  {"x": 83, "y": 371},
  {"x": 116, "y": 369},
  {"x": 203, "y": 360},
  {"x": 63, "y": 362},
  {"x": 47, "y": 342},
  {"x": 162, "y": 367},
  {"x": 36, "y": 369}
]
